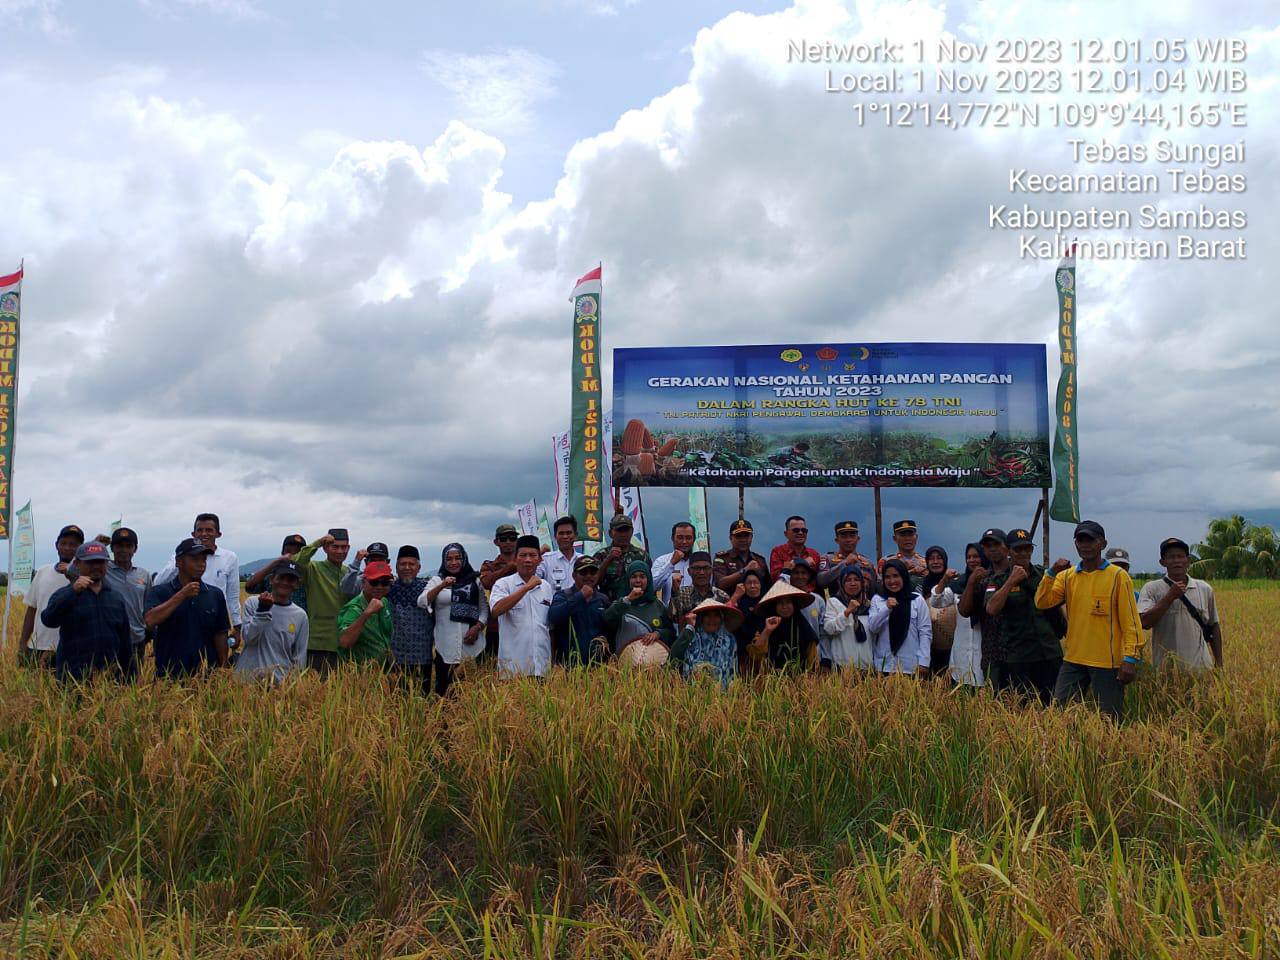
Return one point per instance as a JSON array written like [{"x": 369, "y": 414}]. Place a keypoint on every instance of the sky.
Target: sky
[{"x": 307, "y": 264}]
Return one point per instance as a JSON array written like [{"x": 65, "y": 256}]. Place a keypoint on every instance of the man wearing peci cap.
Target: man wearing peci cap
[
  {"x": 728, "y": 566},
  {"x": 846, "y": 559},
  {"x": 491, "y": 571},
  {"x": 365, "y": 624},
  {"x": 325, "y": 599},
  {"x": 1104, "y": 642},
  {"x": 275, "y": 629},
  {"x": 577, "y": 617},
  {"x": 1031, "y": 654},
  {"x": 1182, "y": 614},
  {"x": 521, "y": 603},
  {"x": 413, "y": 626},
  {"x": 615, "y": 558},
  {"x": 91, "y": 620},
  {"x": 261, "y": 579},
  {"x": 906, "y": 537},
  {"x": 353, "y": 582},
  {"x": 37, "y": 643},
  {"x": 188, "y": 615}
]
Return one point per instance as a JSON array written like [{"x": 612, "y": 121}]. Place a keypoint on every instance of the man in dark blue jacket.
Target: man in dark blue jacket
[
  {"x": 577, "y": 616},
  {"x": 91, "y": 619}
]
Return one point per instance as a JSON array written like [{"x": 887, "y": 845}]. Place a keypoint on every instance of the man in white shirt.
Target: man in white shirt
[
  {"x": 522, "y": 605},
  {"x": 671, "y": 569},
  {"x": 222, "y": 570},
  {"x": 557, "y": 565},
  {"x": 38, "y": 643},
  {"x": 1178, "y": 636}
]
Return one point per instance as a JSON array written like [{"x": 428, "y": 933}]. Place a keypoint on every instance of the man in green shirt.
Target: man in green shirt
[
  {"x": 1032, "y": 652},
  {"x": 365, "y": 623},
  {"x": 322, "y": 581}
]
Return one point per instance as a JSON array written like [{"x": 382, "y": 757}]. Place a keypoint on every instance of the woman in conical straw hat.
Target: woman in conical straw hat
[
  {"x": 788, "y": 640},
  {"x": 707, "y": 642}
]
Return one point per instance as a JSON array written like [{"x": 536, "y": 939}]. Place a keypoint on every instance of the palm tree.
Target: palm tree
[{"x": 1234, "y": 548}]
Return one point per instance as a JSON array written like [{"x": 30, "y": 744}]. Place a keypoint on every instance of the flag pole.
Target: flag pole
[
  {"x": 879, "y": 526},
  {"x": 742, "y": 502},
  {"x": 13, "y": 450},
  {"x": 1044, "y": 502}
]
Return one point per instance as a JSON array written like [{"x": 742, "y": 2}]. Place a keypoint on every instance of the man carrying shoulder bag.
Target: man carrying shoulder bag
[{"x": 1181, "y": 613}]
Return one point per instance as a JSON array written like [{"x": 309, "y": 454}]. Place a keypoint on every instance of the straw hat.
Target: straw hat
[
  {"x": 637, "y": 654},
  {"x": 781, "y": 590},
  {"x": 732, "y": 615}
]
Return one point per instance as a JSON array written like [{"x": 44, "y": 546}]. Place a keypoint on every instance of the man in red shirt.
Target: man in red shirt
[{"x": 783, "y": 557}]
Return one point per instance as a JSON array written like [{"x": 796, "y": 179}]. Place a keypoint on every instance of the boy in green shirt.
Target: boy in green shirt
[{"x": 365, "y": 623}]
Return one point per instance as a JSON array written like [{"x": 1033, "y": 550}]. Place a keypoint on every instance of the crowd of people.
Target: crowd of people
[{"x": 996, "y": 620}]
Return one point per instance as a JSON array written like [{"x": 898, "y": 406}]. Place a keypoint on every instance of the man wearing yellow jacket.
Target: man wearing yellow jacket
[{"x": 1104, "y": 642}]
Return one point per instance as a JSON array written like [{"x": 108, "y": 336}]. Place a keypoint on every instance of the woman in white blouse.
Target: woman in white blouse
[
  {"x": 899, "y": 623},
  {"x": 459, "y": 626},
  {"x": 845, "y": 624}
]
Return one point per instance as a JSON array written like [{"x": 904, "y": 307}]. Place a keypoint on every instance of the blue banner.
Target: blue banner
[{"x": 832, "y": 415}]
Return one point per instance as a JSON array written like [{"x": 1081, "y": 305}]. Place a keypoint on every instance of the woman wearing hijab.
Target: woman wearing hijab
[
  {"x": 787, "y": 641},
  {"x": 845, "y": 623},
  {"x": 709, "y": 644},
  {"x": 936, "y": 589},
  {"x": 805, "y": 577},
  {"x": 461, "y": 611},
  {"x": 899, "y": 623},
  {"x": 966, "y": 649},
  {"x": 746, "y": 596},
  {"x": 640, "y": 616}
]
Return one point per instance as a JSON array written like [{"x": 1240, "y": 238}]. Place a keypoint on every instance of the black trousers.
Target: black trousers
[
  {"x": 1034, "y": 680},
  {"x": 323, "y": 662}
]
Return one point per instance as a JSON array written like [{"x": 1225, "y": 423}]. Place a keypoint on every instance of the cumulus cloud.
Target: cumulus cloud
[
  {"x": 39, "y": 15},
  {"x": 496, "y": 91},
  {"x": 379, "y": 340}
]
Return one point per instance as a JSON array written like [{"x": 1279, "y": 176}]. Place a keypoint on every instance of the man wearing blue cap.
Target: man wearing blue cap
[
  {"x": 189, "y": 616},
  {"x": 91, "y": 620}
]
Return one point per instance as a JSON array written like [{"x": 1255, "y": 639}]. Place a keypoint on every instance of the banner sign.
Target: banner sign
[
  {"x": 1066, "y": 455},
  {"x": 10, "y": 300},
  {"x": 560, "y": 456},
  {"x": 544, "y": 530},
  {"x": 587, "y": 494},
  {"x": 24, "y": 549},
  {"x": 527, "y": 518},
  {"x": 832, "y": 415}
]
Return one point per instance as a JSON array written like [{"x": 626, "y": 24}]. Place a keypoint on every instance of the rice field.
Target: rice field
[{"x": 621, "y": 815}]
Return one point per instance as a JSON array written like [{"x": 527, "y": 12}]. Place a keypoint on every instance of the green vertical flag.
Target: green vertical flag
[
  {"x": 698, "y": 517},
  {"x": 586, "y": 413},
  {"x": 1066, "y": 452},
  {"x": 10, "y": 307}
]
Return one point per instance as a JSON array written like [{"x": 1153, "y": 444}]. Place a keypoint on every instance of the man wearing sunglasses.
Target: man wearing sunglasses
[
  {"x": 365, "y": 624},
  {"x": 784, "y": 556},
  {"x": 1104, "y": 642},
  {"x": 491, "y": 571}
]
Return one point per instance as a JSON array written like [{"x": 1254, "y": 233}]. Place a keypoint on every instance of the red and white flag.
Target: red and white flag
[
  {"x": 14, "y": 280},
  {"x": 590, "y": 283}
]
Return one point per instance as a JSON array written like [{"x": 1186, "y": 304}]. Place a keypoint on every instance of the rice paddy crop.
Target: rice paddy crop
[{"x": 612, "y": 814}]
